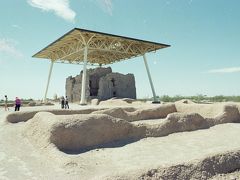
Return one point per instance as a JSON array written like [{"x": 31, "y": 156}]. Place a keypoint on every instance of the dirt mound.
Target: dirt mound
[
  {"x": 126, "y": 113},
  {"x": 114, "y": 102},
  {"x": 185, "y": 101},
  {"x": 180, "y": 122},
  {"x": 32, "y": 103},
  {"x": 76, "y": 133},
  {"x": 160, "y": 111},
  {"x": 177, "y": 122},
  {"x": 132, "y": 114},
  {"x": 178, "y": 156},
  {"x": 119, "y": 112},
  {"x": 128, "y": 100},
  {"x": 38, "y": 128},
  {"x": 204, "y": 169},
  {"x": 232, "y": 176},
  {"x": 121, "y": 102},
  {"x": 89, "y": 131},
  {"x": 205, "y": 110},
  {"x": 229, "y": 114},
  {"x": 94, "y": 102},
  {"x": 48, "y": 104}
]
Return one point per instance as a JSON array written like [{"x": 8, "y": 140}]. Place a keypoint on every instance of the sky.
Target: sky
[{"x": 204, "y": 57}]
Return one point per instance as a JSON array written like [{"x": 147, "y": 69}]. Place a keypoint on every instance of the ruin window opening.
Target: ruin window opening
[
  {"x": 90, "y": 83},
  {"x": 113, "y": 82},
  {"x": 90, "y": 86},
  {"x": 114, "y": 94}
]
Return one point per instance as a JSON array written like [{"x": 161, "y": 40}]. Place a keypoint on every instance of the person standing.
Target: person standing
[
  {"x": 6, "y": 103},
  {"x": 17, "y": 104},
  {"x": 62, "y": 102},
  {"x": 66, "y": 103}
]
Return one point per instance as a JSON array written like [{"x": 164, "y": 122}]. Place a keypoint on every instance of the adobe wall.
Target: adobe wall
[{"x": 117, "y": 85}]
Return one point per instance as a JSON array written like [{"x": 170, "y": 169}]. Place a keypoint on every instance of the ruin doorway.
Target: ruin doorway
[{"x": 93, "y": 88}]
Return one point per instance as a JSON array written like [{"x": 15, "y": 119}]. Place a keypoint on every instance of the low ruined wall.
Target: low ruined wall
[
  {"x": 93, "y": 131},
  {"x": 77, "y": 133},
  {"x": 24, "y": 116},
  {"x": 80, "y": 130},
  {"x": 131, "y": 114}
]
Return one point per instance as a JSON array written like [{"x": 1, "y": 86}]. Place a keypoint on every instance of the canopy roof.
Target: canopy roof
[{"x": 103, "y": 48}]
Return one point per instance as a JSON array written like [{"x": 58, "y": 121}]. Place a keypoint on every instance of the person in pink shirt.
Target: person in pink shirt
[{"x": 17, "y": 104}]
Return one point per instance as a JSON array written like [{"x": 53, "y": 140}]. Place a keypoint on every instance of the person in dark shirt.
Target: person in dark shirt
[
  {"x": 66, "y": 103},
  {"x": 62, "y": 102}
]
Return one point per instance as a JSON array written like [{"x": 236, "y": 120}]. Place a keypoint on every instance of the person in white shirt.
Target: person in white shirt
[{"x": 66, "y": 103}]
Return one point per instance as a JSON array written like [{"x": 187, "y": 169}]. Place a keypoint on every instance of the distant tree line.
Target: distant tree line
[
  {"x": 197, "y": 98},
  {"x": 23, "y": 100},
  {"x": 165, "y": 98}
]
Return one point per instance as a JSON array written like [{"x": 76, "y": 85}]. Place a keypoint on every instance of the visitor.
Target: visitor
[
  {"x": 17, "y": 104},
  {"x": 62, "y": 101},
  {"x": 6, "y": 103},
  {"x": 66, "y": 103}
]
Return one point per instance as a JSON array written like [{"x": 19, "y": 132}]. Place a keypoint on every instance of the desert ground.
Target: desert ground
[{"x": 121, "y": 139}]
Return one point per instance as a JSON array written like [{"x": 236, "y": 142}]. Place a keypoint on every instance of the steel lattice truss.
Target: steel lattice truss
[{"x": 102, "y": 48}]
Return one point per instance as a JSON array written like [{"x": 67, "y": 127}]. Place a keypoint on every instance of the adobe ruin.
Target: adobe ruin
[{"x": 102, "y": 84}]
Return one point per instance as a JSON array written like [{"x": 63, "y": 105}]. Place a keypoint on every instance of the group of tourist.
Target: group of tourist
[
  {"x": 17, "y": 103},
  {"x": 64, "y": 102}
]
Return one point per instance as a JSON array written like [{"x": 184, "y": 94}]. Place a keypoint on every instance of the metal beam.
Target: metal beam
[
  {"x": 83, "y": 100},
  {"x": 69, "y": 54},
  {"x": 49, "y": 77},
  {"x": 150, "y": 79}
]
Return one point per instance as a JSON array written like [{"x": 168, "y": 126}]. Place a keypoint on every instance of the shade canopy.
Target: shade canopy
[{"x": 103, "y": 48}]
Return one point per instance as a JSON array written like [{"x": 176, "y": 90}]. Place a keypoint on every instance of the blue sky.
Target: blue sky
[{"x": 204, "y": 57}]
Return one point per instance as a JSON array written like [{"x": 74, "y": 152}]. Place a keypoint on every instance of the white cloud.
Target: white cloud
[
  {"x": 106, "y": 5},
  {"x": 16, "y": 26},
  {"x": 60, "y": 7},
  {"x": 225, "y": 70},
  {"x": 7, "y": 46}
]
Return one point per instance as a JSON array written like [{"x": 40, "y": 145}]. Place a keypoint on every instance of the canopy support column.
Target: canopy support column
[
  {"x": 150, "y": 80},
  {"x": 49, "y": 77},
  {"x": 83, "y": 92}
]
